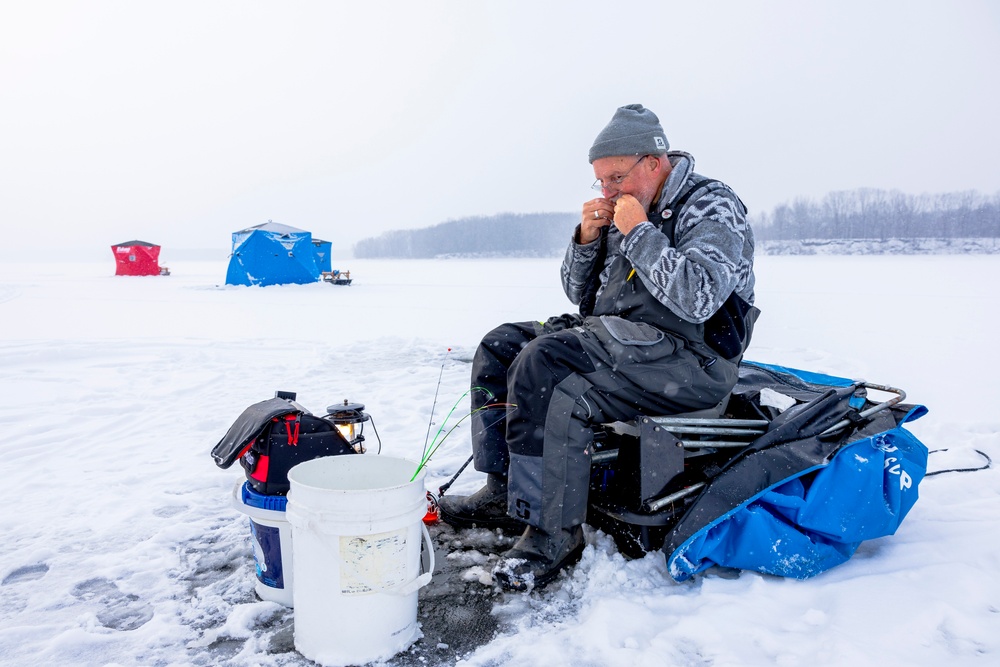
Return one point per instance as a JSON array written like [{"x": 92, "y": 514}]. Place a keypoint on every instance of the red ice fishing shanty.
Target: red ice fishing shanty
[{"x": 138, "y": 258}]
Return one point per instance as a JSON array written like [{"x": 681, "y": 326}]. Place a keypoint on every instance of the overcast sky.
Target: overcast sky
[{"x": 180, "y": 122}]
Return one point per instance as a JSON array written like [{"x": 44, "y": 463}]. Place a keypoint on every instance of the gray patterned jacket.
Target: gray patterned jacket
[{"x": 713, "y": 256}]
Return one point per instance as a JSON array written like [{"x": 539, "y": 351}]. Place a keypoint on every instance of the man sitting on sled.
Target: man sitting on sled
[{"x": 661, "y": 266}]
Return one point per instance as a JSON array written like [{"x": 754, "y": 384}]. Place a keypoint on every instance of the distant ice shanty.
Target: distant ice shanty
[
  {"x": 138, "y": 258},
  {"x": 276, "y": 254}
]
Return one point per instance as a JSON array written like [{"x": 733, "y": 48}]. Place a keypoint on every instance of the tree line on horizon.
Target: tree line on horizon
[
  {"x": 871, "y": 214},
  {"x": 863, "y": 214},
  {"x": 503, "y": 235}
]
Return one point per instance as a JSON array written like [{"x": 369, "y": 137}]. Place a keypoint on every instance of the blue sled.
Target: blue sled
[{"x": 787, "y": 476}]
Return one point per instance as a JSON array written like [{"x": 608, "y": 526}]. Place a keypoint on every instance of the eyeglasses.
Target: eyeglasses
[{"x": 614, "y": 183}]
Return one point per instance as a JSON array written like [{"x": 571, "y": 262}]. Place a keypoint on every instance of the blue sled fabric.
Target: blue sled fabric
[{"x": 809, "y": 522}]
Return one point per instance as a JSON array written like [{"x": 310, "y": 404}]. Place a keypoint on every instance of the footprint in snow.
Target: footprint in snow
[
  {"x": 26, "y": 573},
  {"x": 118, "y": 611},
  {"x": 169, "y": 511}
]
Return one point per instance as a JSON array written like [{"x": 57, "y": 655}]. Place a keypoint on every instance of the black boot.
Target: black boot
[
  {"x": 486, "y": 508},
  {"x": 538, "y": 557}
]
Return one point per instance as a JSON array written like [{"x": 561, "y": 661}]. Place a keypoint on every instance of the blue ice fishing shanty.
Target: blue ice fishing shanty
[{"x": 273, "y": 254}]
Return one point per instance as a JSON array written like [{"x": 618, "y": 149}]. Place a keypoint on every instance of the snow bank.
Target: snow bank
[{"x": 907, "y": 246}]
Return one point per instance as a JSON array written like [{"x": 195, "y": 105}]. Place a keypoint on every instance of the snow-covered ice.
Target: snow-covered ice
[{"x": 120, "y": 546}]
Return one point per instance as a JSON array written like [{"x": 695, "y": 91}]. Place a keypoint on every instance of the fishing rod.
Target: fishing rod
[{"x": 430, "y": 422}]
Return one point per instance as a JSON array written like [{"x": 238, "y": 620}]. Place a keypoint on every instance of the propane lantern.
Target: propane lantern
[{"x": 349, "y": 418}]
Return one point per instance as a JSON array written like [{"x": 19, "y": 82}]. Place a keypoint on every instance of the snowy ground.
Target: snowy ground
[{"x": 120, "y": 546}]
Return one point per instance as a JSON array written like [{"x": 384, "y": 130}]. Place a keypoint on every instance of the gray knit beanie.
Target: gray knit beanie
[{"x": 633, "y": 130}]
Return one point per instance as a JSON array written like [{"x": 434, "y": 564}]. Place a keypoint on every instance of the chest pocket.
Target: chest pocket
[{"x": 631, "y": 333}]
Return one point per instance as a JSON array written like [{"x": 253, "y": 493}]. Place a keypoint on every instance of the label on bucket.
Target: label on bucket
[
  {"x": 267, "y": 554},
  {"x": 372, "y": 562}
]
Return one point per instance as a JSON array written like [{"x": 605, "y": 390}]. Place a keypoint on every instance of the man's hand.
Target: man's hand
[
  {"x": 628, "y": 213},
  {"x": 596, "y": 214}
]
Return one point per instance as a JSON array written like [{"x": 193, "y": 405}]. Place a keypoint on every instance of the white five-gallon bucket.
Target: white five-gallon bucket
[
  {"x": 357, "y": 523},
  {"x": 271, "y": 537}
]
